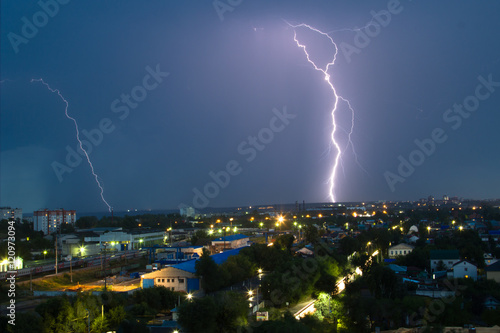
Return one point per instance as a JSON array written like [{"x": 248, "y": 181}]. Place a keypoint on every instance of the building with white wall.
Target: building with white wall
[
  {"x": 447, "y": 257},
  {"x": 187, "y": 211},
  {"x": 48, "y": 221},
  {"x": 400, "y": 250},
  {"x": 6, "y": 213},
  {"x": 230, "y": 242},
  {"x": 120, "y": 240},
  {"x": 464, "y": 269}
]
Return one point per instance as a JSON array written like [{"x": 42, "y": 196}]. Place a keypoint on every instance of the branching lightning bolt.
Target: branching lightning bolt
[
  {"x": 337, "y": 98},
  {"x": 77, "y": 138}
]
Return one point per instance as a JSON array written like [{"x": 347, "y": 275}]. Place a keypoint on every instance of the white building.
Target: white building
[
  {"x": 128, "y": 240},
  {"x": 464, "y": 269},
  {"x": 447, "y": 257},
  {"x": 400, "y": 250},
  {"x": 48, "y": 221},
  {"x": 6, "y": 213},
  {"x": 172, "y": 278},
  {"x": 187, "y": 211},
  {"x": 230, "y": 242}
]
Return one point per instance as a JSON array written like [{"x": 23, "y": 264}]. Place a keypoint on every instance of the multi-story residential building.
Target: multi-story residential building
[
  {"x": 48, "y": 221},
  {"x": 187, "y": 211},
  {"x": 6, "y": 213}
]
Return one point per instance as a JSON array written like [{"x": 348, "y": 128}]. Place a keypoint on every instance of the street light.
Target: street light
[
  {"x": 44, "y": 253},
  {"x": 189, "y": 296},
  {"x": 82, "y": 250}
]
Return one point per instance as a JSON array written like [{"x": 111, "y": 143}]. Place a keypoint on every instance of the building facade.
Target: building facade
[
  {"x": 447, "y": 257},
  {"x": 187, "y": 211},
  {"x": 230, "y": 242},
  {"x": 119, "y": 240},
  {"x": 48, "y": 221},
  {"x": 465, "y": 269},
  {"x": 493, "y": 272},
  {"x": 172, "y": 278},
  {"x": 6, "y": 213},
  {"x": 400, "y": 250}
]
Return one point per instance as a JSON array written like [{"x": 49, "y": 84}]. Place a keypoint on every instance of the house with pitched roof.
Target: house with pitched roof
[
  {"x": 464, "y": 269},
  {"x": 447, "y": 257},
  {"x": 493, "y": 272},
  {"x": 400, "y": 250}
]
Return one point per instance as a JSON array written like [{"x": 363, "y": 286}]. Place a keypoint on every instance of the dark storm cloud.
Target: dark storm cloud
[{"x": 225, "y": 76}]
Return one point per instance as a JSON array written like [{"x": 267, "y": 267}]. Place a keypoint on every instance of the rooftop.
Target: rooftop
[
  {"x": 230, "y": 238},
  {"x": 219, "y": 258},
  {"x": 494, "y": 267},
  {"x": 444, "y": 254}
]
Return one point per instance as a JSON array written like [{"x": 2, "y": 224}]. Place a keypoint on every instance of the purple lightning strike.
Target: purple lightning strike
[
  {"x": 77, "y": 138},
  {"x": 337, "y": 98}
]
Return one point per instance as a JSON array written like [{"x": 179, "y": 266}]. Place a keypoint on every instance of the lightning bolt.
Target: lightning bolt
[
  {"x": 337, "y": 99},
  {"x": 77, "y": 137}
]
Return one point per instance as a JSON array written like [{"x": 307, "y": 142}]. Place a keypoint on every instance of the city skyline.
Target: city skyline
[{"x": 216, "y": 106}]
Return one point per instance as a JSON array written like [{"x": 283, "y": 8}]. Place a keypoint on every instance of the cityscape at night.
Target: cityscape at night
[{"x": 249, "y": 166}]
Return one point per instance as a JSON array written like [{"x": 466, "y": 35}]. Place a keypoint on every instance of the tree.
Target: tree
[
  {"x": 231, "y": 311},
  {"x": 86, "y": 222},
  {"x": 311, "y": 233},
  {"x": 212, "y": 277},
  {"x": 200, "y": 237},
  {"x": 284, "y": 242},
  {"x": 198, "y": 315},
  {"x": 349, "y": 245},
  {"x": 238, "y": 268}
]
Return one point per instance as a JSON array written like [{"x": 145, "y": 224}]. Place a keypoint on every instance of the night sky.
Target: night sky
[{"x": 172, "y": 92}]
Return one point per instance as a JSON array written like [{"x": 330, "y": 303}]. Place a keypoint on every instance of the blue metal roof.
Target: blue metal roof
[
  {"x": 230, "y": 238},
  {"x": 219, "y": 258}
]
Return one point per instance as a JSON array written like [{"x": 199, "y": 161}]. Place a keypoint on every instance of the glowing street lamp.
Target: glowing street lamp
[
  {"x": 82, "y": 250},
  {"x": 189, "y": 296},
  {"x": 44, "y": 253}
]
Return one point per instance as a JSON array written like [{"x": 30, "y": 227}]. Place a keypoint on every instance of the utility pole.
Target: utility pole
[
  {"x": 70, "y": 268},
  {"x": 224, "y": 248},
  {"x": 105, "y": 275},
  {"x": 56, "y": 253}
]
